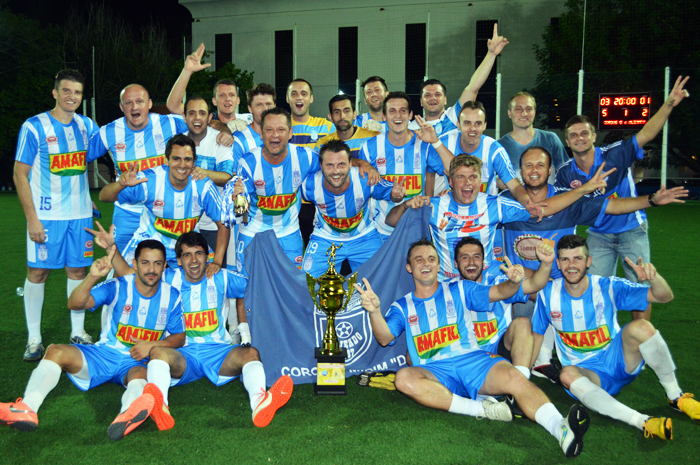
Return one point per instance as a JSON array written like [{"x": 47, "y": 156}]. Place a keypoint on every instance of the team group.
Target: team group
[{"x": 192, "y": 193}]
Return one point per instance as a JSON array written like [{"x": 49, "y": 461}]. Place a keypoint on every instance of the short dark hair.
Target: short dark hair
[
  {"x": 340, "y": 98},
  {"x": 469, "y": 240},
  {"x": 311, "y": 89},
  {"x": 397, "y": 95},
  {"x": 276, "y": 111},
  {"x": 260, "y": 89},
  {"x": 522, "y": 94},
  {"x": 151, "y": 244},
  {"x": 374, "y": 79},
  {"x": 432, "y": 82},
  {"x": 472, "y": 105},
  {"x": 68, "y": 75},
  {"x": 192, "y": 98},
  {"x": 191, "y": 239},
  {"x": 224, "y": 82},
  {"x": 576, "y": 120},
  {"x": 536, "y": 147},
  {"x": 572, "y": 241},
  {"x": 418, "y": 243},
  {"x": 182, "y": 141},
  {"x": 335, "y": 146}
]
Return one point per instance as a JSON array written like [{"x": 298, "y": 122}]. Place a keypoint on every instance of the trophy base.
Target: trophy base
[{"x": 330, "y": 377}]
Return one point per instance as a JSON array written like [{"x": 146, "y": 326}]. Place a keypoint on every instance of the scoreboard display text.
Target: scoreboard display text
[{"x": 623, "y": 111}]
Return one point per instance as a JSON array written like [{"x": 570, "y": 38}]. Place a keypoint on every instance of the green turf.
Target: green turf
[{"x": 368, "y": 426}]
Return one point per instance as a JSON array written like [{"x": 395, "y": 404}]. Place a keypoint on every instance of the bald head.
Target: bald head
[{"x": 135, "y": 102}]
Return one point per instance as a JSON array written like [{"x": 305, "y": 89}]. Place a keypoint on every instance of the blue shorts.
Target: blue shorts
[
  {"x": 606, "y": 248},
  {"x": 356, "y": 251},
  {"x": 67, "y": 244},
  {"x": 292, "y": 245},
  {"x": 204, "y": 359},
  {"x": 125, "y": 224},
  {"x": 105, "y": 365},
  {"x": 609, "y": 365},
  {"x": 465, "y": 374}
]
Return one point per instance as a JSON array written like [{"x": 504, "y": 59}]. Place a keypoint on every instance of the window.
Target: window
[
  {"x": 284, "y": 65},
  {"x": 415, "y": 61},
  {"x": 347, "y": 59},
  {"x": 223, "y": 49}
]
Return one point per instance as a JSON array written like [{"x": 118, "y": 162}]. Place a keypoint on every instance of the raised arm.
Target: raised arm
[
  {"x": 80, "y": 298},
  {"x": 110, "y": 193},
  {"x": 537, "y": 282},
  {"x": 192, "y": 65},
  {"x": 395, "y": 214},
  {"x": 495, "y": 46},
  {"x": 663, "y": 196},
  {"x": 507, "y": 289},
  {"x": 659, "y": 290},
  {"x": 559, "y": 202},
  {"x": 654, "y": 125}
]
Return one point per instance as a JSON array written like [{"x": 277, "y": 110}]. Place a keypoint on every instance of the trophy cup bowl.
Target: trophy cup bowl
[{"x": 240, "y": 207}]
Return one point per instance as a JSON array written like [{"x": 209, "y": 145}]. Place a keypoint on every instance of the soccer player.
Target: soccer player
[
  {"x": 138, "y": 139},
  {"x": 343, "y": 215},
  {"x": 173, "y": 201},
  {"x": 306, "y": 129},
  {"x": 341, "y": 111},
  {"x": 448, "y": 364},
  {"x": 624, "y": 235},
  {"x": 522, "y": 110},
  {"x": 52, "y": 183},
  {"x": 141, "y": 309},
  {"x": 261, "y": 97},
  {"x": 403, "y": 155},
  {"x": 468, "y": 212},
  {"x": 225, "y": 97},
  {"x": 599, "y": 357},
  {"x": 375, "y": 91},
  {"x": 433, "y": 92}
]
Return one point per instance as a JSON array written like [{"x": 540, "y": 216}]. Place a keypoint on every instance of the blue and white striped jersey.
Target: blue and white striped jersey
[
  {"x": 58, "y": 156},
  {"x": 407, "y": 163},
  {"x": 206, "y": 303},
  {"x": 620, "y": 155},
  {"x": 275, "y": 199},
  {"x": 451, "y": 221},
  {"x": 445, "y": 123},
  {"x": 131, "y": 315},
  {"x": 243, "y": 142},
  {"x": 345, "y": 216},
  {"x": 168, "y": 212},
  {"x": 439, "y": 327},
  {"x": 360, "y": 121},
  {"x": 585, "y": 325},
  {"x": 145, "y": 147}
]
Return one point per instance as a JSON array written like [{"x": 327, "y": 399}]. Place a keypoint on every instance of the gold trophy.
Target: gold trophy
[
  {"x": 240, "y": 207},
  {"x": 331, "y": 298}
]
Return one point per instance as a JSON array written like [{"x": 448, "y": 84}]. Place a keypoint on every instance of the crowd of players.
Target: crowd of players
[{"x": 503, "y": 279}]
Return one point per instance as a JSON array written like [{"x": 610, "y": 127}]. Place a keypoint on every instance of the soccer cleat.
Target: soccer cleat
[
  {"x": 18, "y": 415},
  {"x": 514, "y": 407},
  {"x": 272, "y": 400},
  {"x": 136, "y": 414},
  {"x": 687, "y": 405},
  {"x": 161, "y": 412},
  {"x": 84, "y": 339},
  {"x": 34, "y": 351},
  {"x": 497, "y": 411},
  {"x": 549, "y": 371},
  {"x": 573, "y": 427},
  {"x": 661, "y": 427}
]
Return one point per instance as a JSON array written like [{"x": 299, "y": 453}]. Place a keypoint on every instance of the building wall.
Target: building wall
[{"x": 381, "y": 39}]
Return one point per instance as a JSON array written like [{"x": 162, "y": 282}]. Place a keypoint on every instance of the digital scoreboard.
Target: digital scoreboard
[{"x": 623, "y": 111}]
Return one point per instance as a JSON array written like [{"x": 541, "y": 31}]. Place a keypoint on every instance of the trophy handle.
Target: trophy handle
[
  {"x": 351, "y": 288},
  {"x": 311, "y": 282}
]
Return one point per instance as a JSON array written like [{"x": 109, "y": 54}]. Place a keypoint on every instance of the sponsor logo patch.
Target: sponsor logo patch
[
  {"x": 485, "y": 330},
  {"x": 125, "y": 333},
  {"x": 52, "y": 140},
  {"x": 143, "y": 164},
  {"x": 431, "y": 343},
  {"x": 175, "y": 228},
  {"x": 88, "y": 254},
  {"x": 588, "y": 340},
  {"x": 575, "y": 183},
  {"x": 88, "y": 245},
  {"x": 555, "y": 316},
  {"x": 344, "y": 225},
  {"x": 381, "y": 161},
  {"x": 201, "y": 323},
  {"x": 159, "y": 203},
  {"x": 67, "y": 164},
  {"x": 120, "y": 147},
  {"x": 276, "y": 204},
  {"x": 412, "y": 182},
  {"x": 259, "y": 183},
  {"x": 127, "y": 309}
]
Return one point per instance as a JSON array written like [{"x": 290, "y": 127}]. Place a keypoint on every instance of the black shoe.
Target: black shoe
[
  {"x": 549, "y": 371},
  {"x": 514, "y": 407}
]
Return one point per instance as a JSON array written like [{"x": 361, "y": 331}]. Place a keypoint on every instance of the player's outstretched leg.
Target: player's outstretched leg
[
  {"x": 126, "y": 422},
  {"x": 163, "y": 362},
  {"x": 271, "y": 401},
  {"x": 18, "y": 415}
]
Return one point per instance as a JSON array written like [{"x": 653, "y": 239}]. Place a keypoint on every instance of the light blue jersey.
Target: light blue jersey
[
  {"x": 439, "y": 327},
  {"x": 408, "y": 163},
  {"x": 133, "y": 316},
  {"x": 451, "y": 221},
  {"x": 447, "y": 121},
  {"x": 360, "y": 121},
  {"x": 586, "y": 325},
  {"x": 243, "y": 142},
  {"x": 274, "y": 189},
  {"x": 206, "y": 303},
  {"x": 345, "y": 216},
  {"x": 58, "y": 156}
]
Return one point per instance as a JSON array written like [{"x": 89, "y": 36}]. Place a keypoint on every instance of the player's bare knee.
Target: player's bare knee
[
  {"x": 568, "y": 375},
  {"x": 641, "y": 330},
  {"x": 76, "y": 273},
  {"x": 404, "y": 381},
  {"x": 37, "y": 275},
  {"x": 136, "y": 373},
  {"x": 160, "y": 353},
  {"x": 522, "y": 324},
  {"x": 249, "y": 354}
]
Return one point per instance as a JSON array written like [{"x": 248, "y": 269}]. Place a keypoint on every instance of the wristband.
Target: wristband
[
  {"x": 436, "y": 145},
  {"x": 651, "y": 202}
]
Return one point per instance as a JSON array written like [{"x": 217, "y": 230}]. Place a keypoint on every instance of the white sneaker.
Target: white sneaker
[
  {"x": 84, "y": 339},
  {"x": 572, "y": 428},
  {"x": 35, "y": 350},
  {"x": 493, "y": 410}
]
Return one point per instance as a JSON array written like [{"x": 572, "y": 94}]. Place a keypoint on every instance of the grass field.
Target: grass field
[{"x": 368, "y": 426}]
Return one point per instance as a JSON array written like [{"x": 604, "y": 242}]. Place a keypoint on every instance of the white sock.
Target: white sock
[
  {"x": 549, "y": 418},
  {"x": 33, "y": 301},
  {"x": 595, "y": 398},
  {"x": 253, "y": 378},
  {"x": 464, "y": 406},
  {"x": 658, "y": 357},
  {"x": 159, "y": 374},
  {"x": 524, "y": 370},
  {"x": 244, "y": 330},
  {"x": 547, "y": 347},
  {"x": 133, "y": 390},
  {"x": 77, "y": 317},
  {"x": 42, "y": 381}
]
